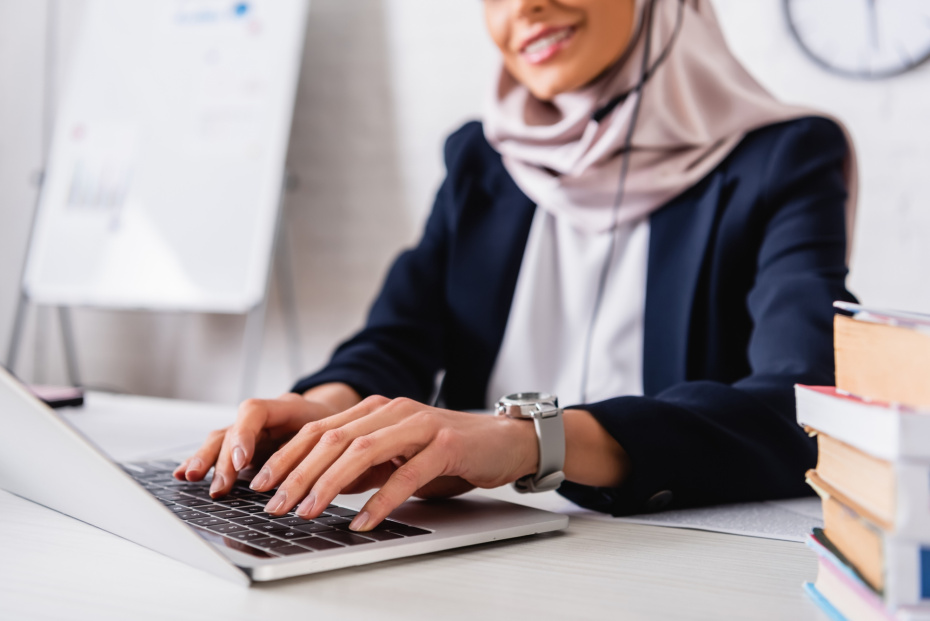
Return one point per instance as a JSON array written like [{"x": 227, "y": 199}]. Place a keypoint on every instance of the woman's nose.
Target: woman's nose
[{"x": 530, "y": 7}]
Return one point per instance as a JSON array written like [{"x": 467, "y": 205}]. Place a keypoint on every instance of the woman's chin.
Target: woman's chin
[
  {"x": 549, "y": 82},
  {"x": 547, "y": 91}
]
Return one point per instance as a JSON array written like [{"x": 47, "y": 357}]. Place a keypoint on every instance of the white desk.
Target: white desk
[{"x": 54, "y": 567}]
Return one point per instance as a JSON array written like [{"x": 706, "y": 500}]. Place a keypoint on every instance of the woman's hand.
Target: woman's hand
[
  {"x": 261, "y": 427},
  {"x": 403, "y": 447}
]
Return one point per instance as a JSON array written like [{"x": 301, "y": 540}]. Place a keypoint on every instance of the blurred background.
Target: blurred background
[{"x": 382, "y": 83}]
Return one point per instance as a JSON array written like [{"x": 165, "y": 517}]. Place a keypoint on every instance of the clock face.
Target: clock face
[{"x": 862, "y": 38}]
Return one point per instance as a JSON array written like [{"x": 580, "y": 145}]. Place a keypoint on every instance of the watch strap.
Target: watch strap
[{"x": 550, "y": 432}]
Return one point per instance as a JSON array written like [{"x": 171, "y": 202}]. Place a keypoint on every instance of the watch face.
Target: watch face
[
  {"x": 862, "y": 38},
  {"x": 527, "y": 398},
  {"x": 528, "y": 405}
]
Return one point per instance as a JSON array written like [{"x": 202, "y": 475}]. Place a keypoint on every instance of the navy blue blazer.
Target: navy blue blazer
[{"x": 743, "y": 269}]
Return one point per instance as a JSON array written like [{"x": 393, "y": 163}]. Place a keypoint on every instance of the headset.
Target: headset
[{"x": 646, "y": 73}]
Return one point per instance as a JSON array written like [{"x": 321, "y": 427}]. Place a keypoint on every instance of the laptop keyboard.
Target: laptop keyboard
[{"x": 239, "y": 521}]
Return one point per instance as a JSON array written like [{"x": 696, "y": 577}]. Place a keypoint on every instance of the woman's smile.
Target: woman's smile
[
  {"x": 544, "y": 45},
  {"x": 556, "y": 46}
]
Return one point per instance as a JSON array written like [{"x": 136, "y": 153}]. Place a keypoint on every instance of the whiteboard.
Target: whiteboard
[{"x": 166, "y": 165}]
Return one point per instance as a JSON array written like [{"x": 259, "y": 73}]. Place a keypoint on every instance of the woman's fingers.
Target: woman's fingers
[
  {"x": 286, "y": 460},
  {"x": 327, "y": 447},
  {"x": 363, "y": 453},
  {"x": 195, "y": 467},
  {"x": 400, "y": 444},
  {"x": 224, "y": 475},
  {"x": 256, "y": 416},
  {"x": 404, "y": 483},
  {"x": 282, "y": 416},
  {"x": 259, "y": 421}
]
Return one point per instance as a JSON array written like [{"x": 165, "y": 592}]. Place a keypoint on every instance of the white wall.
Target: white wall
[
  {"x": 891, "y": 128},
  {"x": 382, "y": 83}
]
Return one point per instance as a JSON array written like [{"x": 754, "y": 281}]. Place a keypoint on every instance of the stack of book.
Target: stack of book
[{"x": 873, "y": 467}]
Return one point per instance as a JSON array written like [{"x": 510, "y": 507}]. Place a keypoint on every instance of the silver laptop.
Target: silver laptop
[{"x": 47, "y": 461}]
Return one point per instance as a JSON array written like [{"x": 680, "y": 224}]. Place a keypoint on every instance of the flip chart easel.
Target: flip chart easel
[{"x": 163, "y": 182}]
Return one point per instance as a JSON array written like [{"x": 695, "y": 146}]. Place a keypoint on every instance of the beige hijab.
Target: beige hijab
[{"x": 696, "y": 108}]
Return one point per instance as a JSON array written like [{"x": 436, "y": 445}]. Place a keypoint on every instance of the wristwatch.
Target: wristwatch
[{"x": 546, "y": 414}]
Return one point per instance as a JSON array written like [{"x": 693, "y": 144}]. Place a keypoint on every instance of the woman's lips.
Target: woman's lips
[{"x": 548, "y": 44}]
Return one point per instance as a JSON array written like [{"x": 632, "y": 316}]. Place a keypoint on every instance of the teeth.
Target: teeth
[{"x": 541, "y": 44}]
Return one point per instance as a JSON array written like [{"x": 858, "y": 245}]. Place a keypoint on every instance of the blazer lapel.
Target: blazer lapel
[{"x": 678, "y": 241}]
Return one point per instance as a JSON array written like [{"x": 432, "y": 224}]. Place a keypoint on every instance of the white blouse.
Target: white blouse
[{"x": 543, "y": 349}]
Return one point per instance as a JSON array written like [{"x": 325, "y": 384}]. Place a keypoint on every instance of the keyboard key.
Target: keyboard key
[
  {"x": 148, "y": 476},
  {"x": 213, "y": 508},
  {"x": 193, "y": 502},
  {"x": 294, "y": 521},
  {"x": 255, "y": 497},
  {"x": 251, "y": 509},
  {"x": 407, "y": 531},
  {"x": 234, "y": 502},
  {"x": 341, "y": 511},
  {"x": 176, "y": 485},
  {"x": 269, "y": 543},
  {"x": 207, "y": 522},
  {"x": 291, "y": 550},
  {"x": 349, "y": 539},
  {"x": 249, "y": 520},
  {"x": 190, "y": 515},
  {"x": 312, "y": 528},
  {"x": 382, "y": 535},
  {"x": 189, "y": 487},
  {"x": 178, "y": 508},
  {"x": 315, "y": 543},
  {"x": 331, "y": 521},
  {"x": 228, "y": 528},
  {"x": 291, "y": 534},
  {"x": 344, "y": 527},
  {"x": 248, "y": 535},
  {"x": 229, "y": 514},
  {"x": 200, "y": 493},
  {"x": 167, "y": 494},
  {"x": 270, "y": 528},
  {"x": 271, "y": 516}
]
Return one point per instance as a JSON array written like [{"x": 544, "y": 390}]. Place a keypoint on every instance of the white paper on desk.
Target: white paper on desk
[{"x": 785, "y": 520}]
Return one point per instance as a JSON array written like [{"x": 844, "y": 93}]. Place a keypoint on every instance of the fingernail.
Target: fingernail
[
  {"x": 261, "y": 479},
  {"x": 277, "y": 501},
  {"x": 360, "y": 521},
  {"x": 238, "y": 458},
  {"x": 195, "y": 466},
  {"x": 219, "y": 482},
  {"x": 306, "y": 507}
]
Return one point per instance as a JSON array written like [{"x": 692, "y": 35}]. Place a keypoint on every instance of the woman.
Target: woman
[{"x": 637, "y": 227}]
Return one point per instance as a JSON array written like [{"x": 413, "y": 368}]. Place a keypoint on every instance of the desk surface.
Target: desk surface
[{"x": 53, "y": 567}]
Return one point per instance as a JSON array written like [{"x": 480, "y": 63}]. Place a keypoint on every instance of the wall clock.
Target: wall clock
[{"x": 867, "y": 39}]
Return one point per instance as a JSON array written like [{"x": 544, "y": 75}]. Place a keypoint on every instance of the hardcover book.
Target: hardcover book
[{"x": 883, "y": 355}]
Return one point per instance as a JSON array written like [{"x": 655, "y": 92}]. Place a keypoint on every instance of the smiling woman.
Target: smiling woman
[{"x": 636, "y": 227}]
